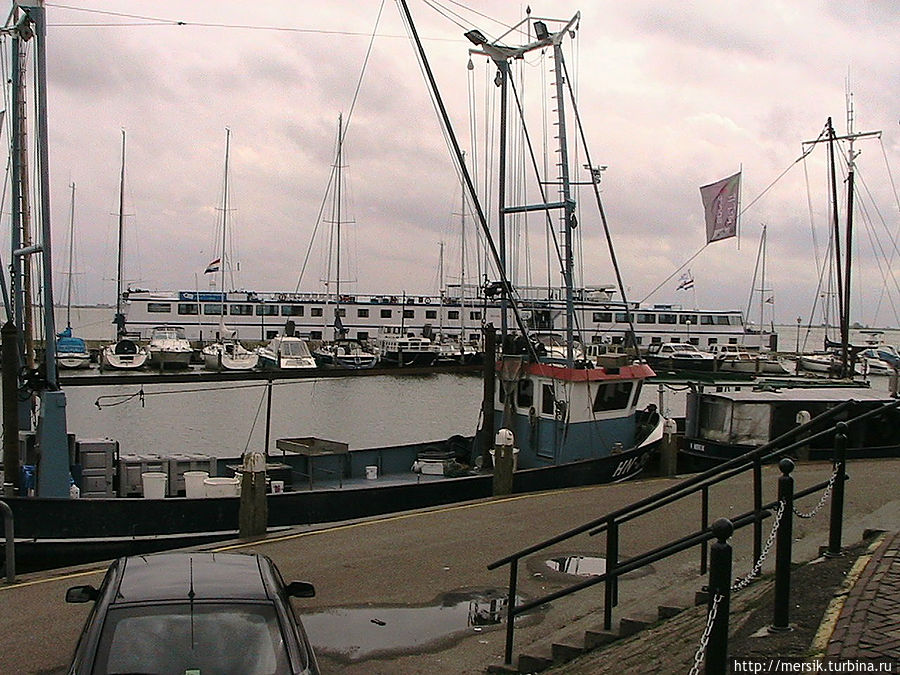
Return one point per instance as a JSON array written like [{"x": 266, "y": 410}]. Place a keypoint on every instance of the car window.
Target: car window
[{"x": 242, "y": 639}]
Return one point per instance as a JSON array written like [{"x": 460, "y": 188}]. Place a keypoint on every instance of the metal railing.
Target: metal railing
[
  {"x": 750, "y": 461},
  {"x": 9, "y": 533}
]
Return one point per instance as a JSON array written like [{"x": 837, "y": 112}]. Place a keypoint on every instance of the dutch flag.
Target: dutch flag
[{"x": 213, "y": 266}]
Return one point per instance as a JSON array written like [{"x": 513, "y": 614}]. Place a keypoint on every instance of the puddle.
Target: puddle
[
  {"x": 358, "y": 632},
  {"x": 578, "y": 565}
]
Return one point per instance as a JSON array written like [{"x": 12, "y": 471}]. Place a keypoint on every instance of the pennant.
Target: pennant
[
  {"x": 213, "y": 266},
  {"x": 770, "y": 300},
  {"x": 720, "y": 205},
  {"x": 686, "y": 282}
]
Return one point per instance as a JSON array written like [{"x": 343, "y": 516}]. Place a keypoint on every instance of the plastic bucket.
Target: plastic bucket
[
  {"x": 371, "y": 472},
  {"x": 193, "y": 483},
  {"x": 222, "y": 487},
  {"x": 154, "y": 484}
]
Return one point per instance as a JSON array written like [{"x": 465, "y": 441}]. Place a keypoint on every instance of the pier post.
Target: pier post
[
  {"x": 781, "y": 621},
  {"x": 487, "y": 404},
  {"x": 254, "y": 512},
  {"x": 669, "y": 449},
  {"x": 504, "y": 462},
  {"x": 9, "y": 359},
  {"x": 719, "y": 597},
  {"x": 835, "y": 530}
]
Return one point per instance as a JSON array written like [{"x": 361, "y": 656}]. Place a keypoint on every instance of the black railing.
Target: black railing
[
  {"x": 611, "y": 522},
  {"x": 9, "y": 533}
]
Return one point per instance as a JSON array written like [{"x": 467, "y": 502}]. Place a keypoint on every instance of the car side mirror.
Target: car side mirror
[
  {"x": 300, "y": 589},
  {"x": 81, "y": 594}
]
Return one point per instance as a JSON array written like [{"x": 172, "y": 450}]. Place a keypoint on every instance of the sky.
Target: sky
[{"x": 672, "y": 96}]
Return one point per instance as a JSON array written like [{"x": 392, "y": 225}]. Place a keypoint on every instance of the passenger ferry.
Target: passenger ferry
[{"x": 599, "y": 318}]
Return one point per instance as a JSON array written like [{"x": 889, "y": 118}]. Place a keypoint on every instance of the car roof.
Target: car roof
[{"x": 172, "y": 576}]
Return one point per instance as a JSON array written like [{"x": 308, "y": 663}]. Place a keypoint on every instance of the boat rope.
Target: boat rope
[
  {"x": 111, "y": 400},
  {"x": 255, "y": 420}
]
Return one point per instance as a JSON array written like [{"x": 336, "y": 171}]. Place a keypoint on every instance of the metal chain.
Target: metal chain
[
  {"x": 704, "y": 639},
  {"x": 742, "y": 583},
  {"x": 822, "y": 501}
]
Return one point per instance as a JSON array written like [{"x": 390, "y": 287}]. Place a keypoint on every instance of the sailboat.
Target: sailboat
[
  {"x": 71, "y": 351},
  {"x": 124, "y": 353},
  {"x": 226, "y": 353},
  {"x": 341, "y": 352}
]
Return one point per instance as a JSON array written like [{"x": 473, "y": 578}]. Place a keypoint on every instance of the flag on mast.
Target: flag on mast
[
  {"x": 213, "y": 266},
  {"x": 686, "y": 282},
  {"x": 720, "y": 205}
]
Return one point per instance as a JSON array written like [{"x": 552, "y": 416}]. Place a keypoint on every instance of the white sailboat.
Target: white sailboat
[
  {"x": 124, "y": 353},
  {"x": 71, "y": 351},
  {"x": 226, "y": 353}
]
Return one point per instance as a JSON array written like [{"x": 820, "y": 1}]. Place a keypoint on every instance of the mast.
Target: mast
[
  {"x": 120, "y": 318},
  {"x": 71, "y": 255},
  {"x": 224, "y": 238},
  {"x": 337, "y": 253}
]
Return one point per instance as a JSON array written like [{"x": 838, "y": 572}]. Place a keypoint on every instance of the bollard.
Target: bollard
[
  {"x": 783, "y": 541},
  {"x": 837, "y": 492},
  {"x": 254, "y": 513},
  {"x": 719, "y": 586},
  {"x": 668, "y": 452},
  {"x": 503, "y": 462}
]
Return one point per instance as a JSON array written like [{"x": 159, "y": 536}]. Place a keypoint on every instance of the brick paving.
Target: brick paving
[{"x": 868, "y": 626}]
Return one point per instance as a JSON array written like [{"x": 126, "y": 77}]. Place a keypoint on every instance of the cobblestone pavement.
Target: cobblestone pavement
[{"x": 869, "y": 623}]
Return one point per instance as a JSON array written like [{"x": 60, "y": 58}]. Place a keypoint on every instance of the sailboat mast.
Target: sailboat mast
[
  {"x": 71, "y": 252},
  {"x": 337, "y": 232},
  {"x": 851, "y": 171},
  {"x": 462, "y": 262},
  {"x": 120, "y": 320},
  {"x": 224, "y": 234}
]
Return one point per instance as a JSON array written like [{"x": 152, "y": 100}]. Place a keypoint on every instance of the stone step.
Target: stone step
[
  {"x": 598, "y": 637},
  {"x": 566, "y": 650},
  {"x": 534, "y": 661},
  {"x": 668, "y": 611},
  {"x": 634, "y": 624}
]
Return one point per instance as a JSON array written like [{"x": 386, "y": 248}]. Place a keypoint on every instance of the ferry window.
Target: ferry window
[
  {"x": 385, "y": 314},
  {"x": 240, "y": 310},
  {"x": 315, "y": 311},
  {"x": 475, "y": 316},
  {"x": 362, "y": 335},
  {"x": 621, "y": 317},
  {"x": 342, "y": 311},
  {"x": 707, "y": 320},
  {"x": 453, "y": 314},
  {"x": 267, "y": 310},
  {"x": 675, "y": 340},
  {"x": 722, "y": 320},
  {"x": 473, "y": 337},
  {"x": 362, "y": 313},
  {"x": 315, "y": 335},
  {"x": 646, "y": 318},
  {"x": 292, "y": 310},
  {"x": 409, "y": 314},
  {"x": 732, "y": 341},
  {"x": 638, "y": 340},
  {"x": 159, "y": 307},
  {"x": 655, "y": 340},
  {"x": 212, "y": 309},
  {"x": 667, "y": 318},
  {"x": 734, "y": 320},
  {"x": 602, "y": 317},
  {"x": 188, "y": 308},
  {"x": 431, "y": 314},
  {"x": 612, "y": 396},
  {"x": 713, "y": 341},
  {"x": 686, "y": 318},
  {"x": 617, "y": 339},
  {"x": 548, "y": 400},
  {"x": 525, "y": 393},
  {"x": 694, "y": 341}
]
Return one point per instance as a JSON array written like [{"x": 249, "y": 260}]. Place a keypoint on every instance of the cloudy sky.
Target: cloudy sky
[{"x": 672, "y": 96}]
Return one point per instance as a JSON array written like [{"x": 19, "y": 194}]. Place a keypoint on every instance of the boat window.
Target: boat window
[
  {"x": 453, "y": 314},
  {"x": 750, "y": 423},
  {"x": 409, "y": 314},
  {"x": 159, "y": 307},
  {"x": 732, "y": 341},
  {"x": 713, "y": 341},
  {"x": 734, "y": 320},
  {"x": 548, "y": 400},
  {"x": 707, "y": 320},
  {"x": 722, "y": 320},
  {"x": 267, "y": 310},
  {"x": 667, "y": 318},
  {"x": 188, "y": 308},
  {"x": 362, "y": 335},
  {"x": 430, "y": 313},
  {"x": 385, "y": 314},
  {"x": 695, "y": 341},
  {"x": 240, "y": 310},
  {"x": 525, "y": 393},
  {"x": 646, "y": 318},
  {"x": 315, "y": 311},
  {"x": 655, "y": 340},
  {"x": 212, "y": 309},
  {"x": 715, "y": 417},
  {"x": 602, "y": 317},
  {"x": 475, "y": 316},
  {"x": 342, "y": 311},
  {"x": 621, "y": 317},
  {"x": 292, "y": 310},
  {"x": 612, "y": 396},
  {"x": 362, "y": 313},
  {"x": 686, "y": 318},
  {"x": 474, "y": 337}
]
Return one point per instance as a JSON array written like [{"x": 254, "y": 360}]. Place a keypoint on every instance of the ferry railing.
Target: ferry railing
[
  {"x": 610, "y": 523},
  {"x": 9, "y": 533}
]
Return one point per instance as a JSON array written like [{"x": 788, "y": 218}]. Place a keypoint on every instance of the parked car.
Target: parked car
[{"x": 193, "y": 613}]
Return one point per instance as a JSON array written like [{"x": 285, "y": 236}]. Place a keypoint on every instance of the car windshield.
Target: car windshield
[{"x": 206, "y": 638}]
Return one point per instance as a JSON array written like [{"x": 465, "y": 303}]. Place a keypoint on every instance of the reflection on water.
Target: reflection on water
[
  {"x": 358, "y": 632},
  {"x": 578, "y": 565}
]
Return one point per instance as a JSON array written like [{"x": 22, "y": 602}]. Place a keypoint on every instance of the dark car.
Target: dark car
[{"x": 193, "y": 613}]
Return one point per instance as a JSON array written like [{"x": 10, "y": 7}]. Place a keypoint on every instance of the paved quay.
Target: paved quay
[{"x": 419, "y": 559}]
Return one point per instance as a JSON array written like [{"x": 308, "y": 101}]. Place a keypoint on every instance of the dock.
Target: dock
[{"x": 413, "y": 559}]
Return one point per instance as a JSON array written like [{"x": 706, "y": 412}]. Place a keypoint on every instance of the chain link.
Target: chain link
[
  {"x": 742, "y": 583},
  {"x": 822, "y": 501},
  {"x": 704, "y": 639}
]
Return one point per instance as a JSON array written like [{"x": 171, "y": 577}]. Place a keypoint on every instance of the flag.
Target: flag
[
  {"x": 686, "y": 282},
  {"x": 720, "y": 204},
  {"x": 213, "y": 266},
  {"x": 770, "y": 300}
]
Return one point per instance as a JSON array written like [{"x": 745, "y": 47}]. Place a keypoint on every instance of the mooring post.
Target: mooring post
[
  {"x": 669, "y": 448},
  {"x": 504, "y": 462},
  {"x": 719, "y": 597},
  {"x": 835, "y": 530},
  {"x": 254, "y": 512},
  {"x": 487, "y": 405},
  {"x": 10, "y": 383},
  {"x": 781, "y": 622}
]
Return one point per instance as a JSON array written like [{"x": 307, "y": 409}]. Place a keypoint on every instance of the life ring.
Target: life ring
[
  {"x": 281, "y": 297},
  {"x": 427, "y": 300}
]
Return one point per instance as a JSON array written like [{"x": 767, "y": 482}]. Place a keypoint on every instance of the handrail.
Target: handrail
[{"x": 9, "y": 532}]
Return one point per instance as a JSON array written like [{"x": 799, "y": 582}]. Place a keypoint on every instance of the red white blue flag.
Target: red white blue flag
[
  {"x": 213, "y": 266},
  {"x": 720, "y": 204},
  {"x": 686, "y": 282}
]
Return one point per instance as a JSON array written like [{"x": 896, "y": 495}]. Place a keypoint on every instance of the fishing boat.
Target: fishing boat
[
  {"x": 169, "y": 348},
  {"x": 226, "y": 352},
  {"x": 125, "y": 353}
]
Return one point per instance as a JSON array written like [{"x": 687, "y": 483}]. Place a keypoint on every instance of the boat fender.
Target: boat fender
[{"x": 532, "y": 416}]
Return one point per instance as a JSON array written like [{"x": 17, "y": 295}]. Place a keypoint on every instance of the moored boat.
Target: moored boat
[
  {"x": 169, "y": 348},
  {"x": 285, "y": 352}
]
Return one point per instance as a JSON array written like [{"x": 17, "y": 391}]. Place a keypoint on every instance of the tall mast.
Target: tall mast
[
  {"x": 120, "y": 319},
  {"x": 71, "y": 255},
  {"x": 224, "y": 237}
]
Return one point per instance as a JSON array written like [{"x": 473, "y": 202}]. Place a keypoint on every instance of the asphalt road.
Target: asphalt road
[{"x": 413, "y": 560}]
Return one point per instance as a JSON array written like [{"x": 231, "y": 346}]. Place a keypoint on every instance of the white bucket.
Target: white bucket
[
  {"x": 371, "y": 472},
  {"x": 277, "y": 487},
  {"x": 222, "y": 487},
  {"x": 193, "y": 483},
  {"x": 154, "y": 483}
]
